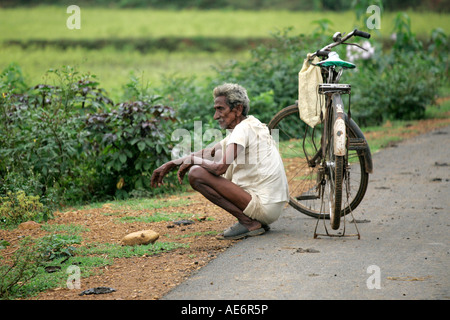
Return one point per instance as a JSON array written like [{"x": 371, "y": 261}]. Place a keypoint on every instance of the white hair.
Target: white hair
[{"x": 234, "y": 95}]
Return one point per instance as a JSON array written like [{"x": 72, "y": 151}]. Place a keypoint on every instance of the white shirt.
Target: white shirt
[{"x": 259, "y": 166}]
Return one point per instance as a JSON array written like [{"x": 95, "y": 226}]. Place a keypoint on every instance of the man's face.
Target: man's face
[{"x": 226, "y": 117}]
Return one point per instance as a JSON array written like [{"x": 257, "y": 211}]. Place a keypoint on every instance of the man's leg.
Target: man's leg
[{"x": 223, "y": 193}]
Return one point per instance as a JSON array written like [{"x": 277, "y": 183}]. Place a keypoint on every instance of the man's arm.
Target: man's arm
[
  {"x": 216, "y": 168},
  {"x": 159, "y": 174}
]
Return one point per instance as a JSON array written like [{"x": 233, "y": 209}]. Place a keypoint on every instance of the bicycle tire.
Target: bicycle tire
[
  {"x": 288, "y": 126},
  {"x": 336, "y": 189}
]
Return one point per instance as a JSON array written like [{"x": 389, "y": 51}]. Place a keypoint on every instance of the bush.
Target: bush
[
  {"x": 129, "y": 142},
  {"x": 68, "y": 143},
  {"x": 42, "y": 132},
  {"x": 23, "y": 274},
  {"x": 401, "y": 90},
  {"x": 17, "y": 207},
  {"x": 270, "y": 75},
  {"x": 396, "y": 84},
  {"x": 23, "y": 268},
  {"x": 401, "y": 83}
]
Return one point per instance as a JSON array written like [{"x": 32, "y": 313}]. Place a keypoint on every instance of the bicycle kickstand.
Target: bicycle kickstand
[{"x": 338, "y": 234}]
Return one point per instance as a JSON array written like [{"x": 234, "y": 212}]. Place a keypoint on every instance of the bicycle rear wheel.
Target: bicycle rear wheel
[{"x": 299, "y": 144}]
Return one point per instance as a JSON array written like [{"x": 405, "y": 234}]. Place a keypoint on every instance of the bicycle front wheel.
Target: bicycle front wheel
[
  {"x": 300, "y": 147},
  {"x": 333, "y": 167}
]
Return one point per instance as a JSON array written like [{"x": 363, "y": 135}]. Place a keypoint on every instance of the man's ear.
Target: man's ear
[{"x": 239, "y": 109}]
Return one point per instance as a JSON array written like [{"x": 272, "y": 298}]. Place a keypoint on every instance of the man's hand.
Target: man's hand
[
  {"x": 160, "y": 173},
  {"x": 185, "y": 166}
]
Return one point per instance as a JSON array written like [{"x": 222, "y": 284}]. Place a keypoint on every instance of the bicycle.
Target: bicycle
[{"x": 328, "y": 167}]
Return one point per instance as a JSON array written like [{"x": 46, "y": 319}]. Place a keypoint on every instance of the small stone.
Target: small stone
[
  {"x": 97, "y": 290},
  {"x": 140, "y": 237},
  {"x": 183, "y": 222}
]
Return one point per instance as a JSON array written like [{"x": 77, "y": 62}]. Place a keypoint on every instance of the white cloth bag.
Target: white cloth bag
[{"x": 309, "y": 100}]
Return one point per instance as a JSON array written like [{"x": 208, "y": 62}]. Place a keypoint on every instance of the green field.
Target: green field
[
  {"x": 113, "y": 65},
  {"x": 98, "y": 23}
]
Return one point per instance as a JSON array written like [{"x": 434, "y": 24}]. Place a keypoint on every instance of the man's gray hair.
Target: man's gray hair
[{"x": 234, "y": 95}]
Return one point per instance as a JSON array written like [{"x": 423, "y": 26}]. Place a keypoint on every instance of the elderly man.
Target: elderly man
[{"x": 243, "y": 173}]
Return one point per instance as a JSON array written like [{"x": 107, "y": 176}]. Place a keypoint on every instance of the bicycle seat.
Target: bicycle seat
[{"x": 334, "y": 60}]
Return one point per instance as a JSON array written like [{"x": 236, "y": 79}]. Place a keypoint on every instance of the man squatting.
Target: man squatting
[{"x": 243, "y": 173}]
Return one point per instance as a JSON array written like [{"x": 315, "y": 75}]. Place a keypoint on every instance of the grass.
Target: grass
[
  {"x": 196, "y": 234},
  {"x": 61, "y": 251},
  {"x": 48, "y": 22},
  {"x": 156, "y": 217},
  {"x": 139, "y": 204},
  {"x": 113, "y": 66},
  {"x": 114, "y": 250}
]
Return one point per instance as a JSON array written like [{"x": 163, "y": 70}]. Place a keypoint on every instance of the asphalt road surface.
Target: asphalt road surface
[{"x": 403, "y": 252}]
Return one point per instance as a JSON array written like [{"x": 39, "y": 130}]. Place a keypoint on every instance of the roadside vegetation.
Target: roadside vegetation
[{"x": 65, "y": 140}]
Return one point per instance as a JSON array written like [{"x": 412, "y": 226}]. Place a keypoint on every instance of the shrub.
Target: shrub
[
  {"x": 69, "y": 143},
  {"x": 400, "y": 83},
  {"x": 395, "y": 84},
  {"x": 23, "y": 274},
  {"x": 22, "y": 268},
  {"x": 129, "y": 142},
  {"x": 42, "y": 132},
  {"x": 17, "y": 207}
]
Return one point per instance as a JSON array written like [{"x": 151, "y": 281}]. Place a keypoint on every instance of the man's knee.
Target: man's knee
[{"x": 196, "y": 173}]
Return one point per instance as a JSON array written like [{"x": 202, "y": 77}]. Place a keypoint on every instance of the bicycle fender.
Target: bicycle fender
[
  {"x": 339, "y": 127},
  {"x": 338, "y": 104},
  {"x": 339, "y": 137}
]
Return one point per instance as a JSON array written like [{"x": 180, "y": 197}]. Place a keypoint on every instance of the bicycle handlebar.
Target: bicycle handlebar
[
  {"x": 326, "y": 50},
  {"x": 361, "y": 34},
  {"x": 322, "y": 53}
]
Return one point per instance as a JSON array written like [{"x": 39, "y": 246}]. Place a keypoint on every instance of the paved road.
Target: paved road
[{"x": 403, "y": 252}]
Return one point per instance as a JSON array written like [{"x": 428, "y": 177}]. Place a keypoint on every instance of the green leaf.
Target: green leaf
[
  {"x": 123, "y": 158},
  {"x": 138, "y": 183},
  {"x": 4, "y": 244},
  {"x": 134, "y": 141},
  {"x": 138, "y": 165},
  {"x": 141, "y": 146},
  {"x": 117, "y": 165}
]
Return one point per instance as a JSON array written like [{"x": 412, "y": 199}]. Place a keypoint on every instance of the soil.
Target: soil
[
  {"x": 145, "y": 277},
  {"x": 150, "y": 277}
]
